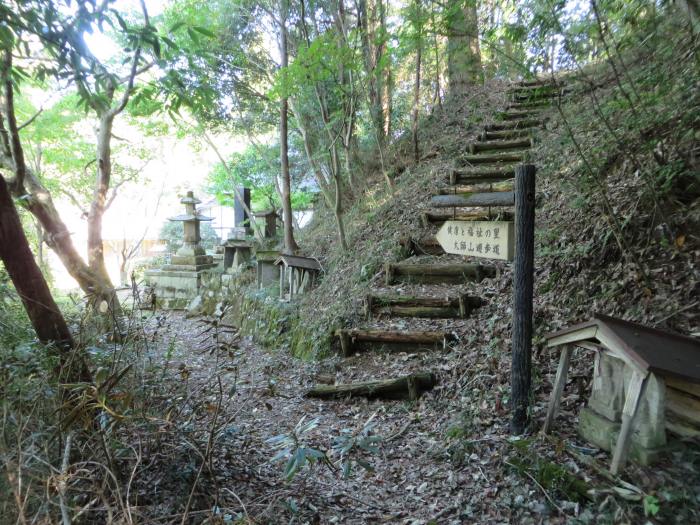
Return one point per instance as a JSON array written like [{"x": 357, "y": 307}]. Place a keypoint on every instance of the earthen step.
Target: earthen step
[
  {"x": 504, "y": 135},
  {"x": 494, "y": 158},
  {"x": 515, "y": 124},
  {"x": 484, "y": 199},
  {"x": 458, "y": 273},
  {"x": 423, "y": 246},
  {"x": 407, "y": 387},
  {"x": 460, "y": 306},
  {"x": 355, "y": 340},
  {"x": 437, "y": 219},
  {"x": 477, "y": 147}
]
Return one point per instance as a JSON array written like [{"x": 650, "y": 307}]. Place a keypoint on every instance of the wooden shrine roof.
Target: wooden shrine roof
[
  {"x": 296, "y": 261},
  {"x": 660, "y": 352}
]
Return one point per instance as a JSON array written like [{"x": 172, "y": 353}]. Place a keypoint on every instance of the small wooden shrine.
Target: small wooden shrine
[
  {"x": 297, "y": 275},
  {"x": 646, "y": 383}
]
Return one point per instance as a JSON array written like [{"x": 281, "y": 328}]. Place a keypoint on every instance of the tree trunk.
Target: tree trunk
[
  {"x": 46, "y": 318},
  {"x": 290, "y": 245},
  {"x": 463, "y": 53},
  {"x": 416, "y": 85}
]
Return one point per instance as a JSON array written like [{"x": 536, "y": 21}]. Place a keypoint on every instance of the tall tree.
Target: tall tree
[
  {"x": 46, "y": 318},
  {"x": 463, "y": 51}
]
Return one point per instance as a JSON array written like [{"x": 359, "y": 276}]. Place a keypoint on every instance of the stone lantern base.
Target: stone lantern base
[{"x": 176, "y": 284}]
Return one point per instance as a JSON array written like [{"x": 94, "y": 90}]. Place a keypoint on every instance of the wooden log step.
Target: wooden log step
[
  {"x": 436, "y": 219},
  {"x": 459, "y": 189},
  {"x": 508, "y": 134},
  {"x": 515, "y": 124},
  {"x": 472, "y": 176},
  {"x": 424, "y": 246},
  {"x": 485, "y": 199},
  {"x": 407, "y": 387},
  {"x": 460, "y": 306},
  {"x": 537, "y": 105},
  {"x": 355, "y": 340},
  {"x": 518, "y": 115},
  {"x": 538, "y": 82},
  {"x": 476, "y": 147},
  {"x": 494, "y": 158},
  {"x": 458, "y": 273}
]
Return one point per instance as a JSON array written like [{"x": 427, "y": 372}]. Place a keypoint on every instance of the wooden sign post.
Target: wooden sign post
[
  {"x": 487, "y": 239},
  {"x": 523, "y": 281}
]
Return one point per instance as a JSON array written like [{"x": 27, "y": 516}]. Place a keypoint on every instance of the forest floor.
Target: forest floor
[{"x": 438, "y": 460}]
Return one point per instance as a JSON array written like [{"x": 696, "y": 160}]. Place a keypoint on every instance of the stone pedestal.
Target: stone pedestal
[
  {"x": 177, "y": 283},
  {"x": 600, "y": 421},
  {"x": 268, "y": 273},
  {"x": 236, "y": 254}
]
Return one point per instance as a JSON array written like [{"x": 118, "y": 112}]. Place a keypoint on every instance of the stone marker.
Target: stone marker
[
  {"x": 177, "y": 283},
  {"x": 486, "y": 239}
]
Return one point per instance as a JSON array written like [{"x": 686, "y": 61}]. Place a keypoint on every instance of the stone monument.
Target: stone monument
[
  {"x": 237, "y": 248},
  {"x": 177, "y": 283}
]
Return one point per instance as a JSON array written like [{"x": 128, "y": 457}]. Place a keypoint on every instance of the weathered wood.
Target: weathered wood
[
  {"x": 504, "y": 135},
  {"x": 436, "y": 273},
  {"x": 459, "y": 306},
  {"x": 391, "y": 340},
  {"x": 497, "y": 158},
  {"x": 528, "y": 105},
  {"x": 559, "y": 384},
  {"x": 472, "y": 175},
  {"x": 519, "y": 115},
  {"x": 477, "y": 147},
  {"x": 500, "y": 185},
  {"x": 683, "y": 386},
  {"x": 438, "y": 219},
  {"x": 515, "y": 124},
  {"x": 683, "y": 405},
  {"x": 523, "y": 281},
  {"x": 407, "y": 387},
  {"x": 424, "y": 246},
  {"x": 629, "y": 411},
  {"x": 487, "y": 199}
]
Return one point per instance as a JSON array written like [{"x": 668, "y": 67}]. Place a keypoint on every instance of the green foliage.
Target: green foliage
[
  {"x": 353, "y": 447},
  {"x": 293, "y": 448}
]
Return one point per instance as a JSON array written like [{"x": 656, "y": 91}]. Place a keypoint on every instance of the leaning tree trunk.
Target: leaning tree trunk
[
  {"x": 463, "y": 53},
  {"x": 47, "y": 320}
]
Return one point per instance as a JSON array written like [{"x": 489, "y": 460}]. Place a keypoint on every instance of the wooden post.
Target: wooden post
[
  {"x": 523, "y": 281},
  {"x": 559, "y": 384},
  {"x": 632, "y": 398}
]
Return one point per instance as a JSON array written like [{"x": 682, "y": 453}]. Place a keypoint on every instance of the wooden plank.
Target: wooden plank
[
  {"x": 472, "y": 175},
  {"x": 683, "y": 386},
  {"x": 683, "y": 405},
  {"x": 437, "y": 273},
  {"x": 407, "y": 387},
  {"x": 501, "y": 185},
  {"x": 558, "y": 390},
  {"x": 629, "y": 411},
  {"x": 485, "y": 199},
  {"x": 519, "y": 115}
]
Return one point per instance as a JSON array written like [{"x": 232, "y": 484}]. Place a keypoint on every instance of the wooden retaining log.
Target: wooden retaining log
[
  {"x": 429, "y": 219},
  {"x": 471, "y": 175},
  {"x": 515, "y": 124},
  {"x": 519, "y": 115},
  {"x": 355, "y": 340},
  {"x": 459, "y": 273},
  {"x": 496, "y": 158},
  {"x": 423, "y": 246},
  {"x": 476, "y": 147},
  {"x": 527, "y": 105},
  {"x": 460, "y": 306},
  {"x": 486, "y": 199},
  {"x": 498, "y": 185},
  {"x": 408, "y": 387},
  {"x": 504, "y": 135}
]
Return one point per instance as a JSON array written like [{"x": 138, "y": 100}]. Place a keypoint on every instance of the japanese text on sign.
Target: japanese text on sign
[{"x": 488, "y": 239}]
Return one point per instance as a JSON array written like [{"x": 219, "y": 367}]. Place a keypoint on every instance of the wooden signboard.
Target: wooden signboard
[{"x": 487, "y": 239}]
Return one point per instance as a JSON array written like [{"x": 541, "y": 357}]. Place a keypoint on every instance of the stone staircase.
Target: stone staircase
[{"x": 480, "y": 188}]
